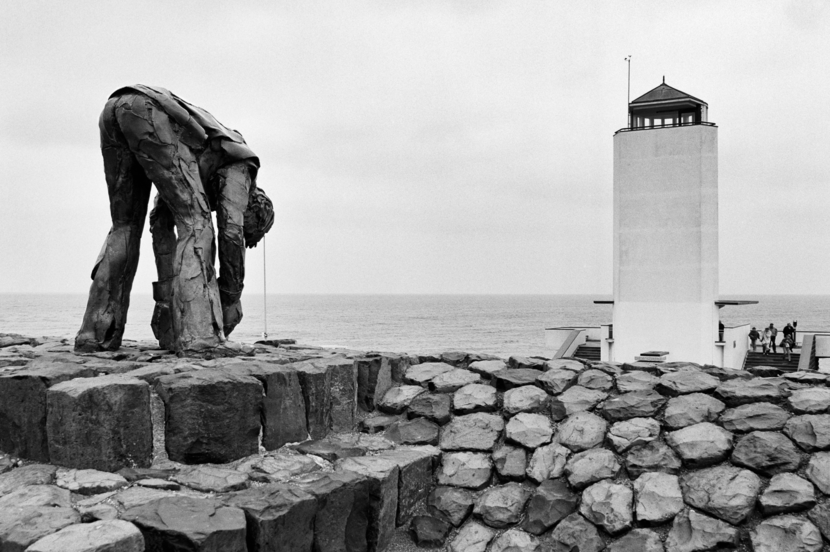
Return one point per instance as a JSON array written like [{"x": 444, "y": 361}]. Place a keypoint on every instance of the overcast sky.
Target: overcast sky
[{"x": 424, "y": 147}]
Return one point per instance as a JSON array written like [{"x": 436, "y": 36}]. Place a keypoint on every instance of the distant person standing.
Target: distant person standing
[
  {"x": 720, "y": 331},
  {"x": 765, "y": 337},
  {"x": 773, "y": 332},
  {"x": 754, "y": 336},
  {"x": 787, "y": 343},
  {"x": 788, "y": 332}
]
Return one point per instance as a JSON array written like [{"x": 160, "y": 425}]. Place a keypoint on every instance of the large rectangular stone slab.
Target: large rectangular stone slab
[
  {"x": 383, "y": 475},
  {"x": 316, "y": 384},
  {"x": 343, "y": 392},
  {"x": 280, "y": 518},
  {"x": 211, "y": 416},
  {"x": 23, "y": 407},
  {"x": 374, "y": 378},
  {"x": 100, "y": 423},
  {"x": 417, "y": 465}
]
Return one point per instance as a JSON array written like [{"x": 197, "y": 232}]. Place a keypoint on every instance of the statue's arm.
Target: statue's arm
[{"x": 234, "y": 184}]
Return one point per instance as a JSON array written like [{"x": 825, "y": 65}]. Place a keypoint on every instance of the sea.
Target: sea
[{"x": 502, "y": 325}]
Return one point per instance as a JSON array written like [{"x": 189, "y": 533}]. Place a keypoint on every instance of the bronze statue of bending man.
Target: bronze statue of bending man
[{"x": 149, "y": 135}]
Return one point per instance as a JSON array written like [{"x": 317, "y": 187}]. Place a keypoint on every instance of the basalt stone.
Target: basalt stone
[
  {"x": 574, "y": 534},
  {"x": 527, "y": 398},
  {"x": 22, "y": 527},
  {"x": 810, "y": 432},
  {"x": 515, "y": 540},
  {"x": 756, "y": 416},
  {"x": 820, "y": 516},
  {"x": 473, "y": 537},
  {"x": 161, "y": 484},
  {"x": 818, "y": 471},
  {"x": 764, "y": 371},
  {"x": 557, "y": 411},
  {"x": 477, "y": 431},
  {"x": 633, "y": 432},
  {"x": 786, "y": 534},
  {"x": 277, "y": 467},
  {"x": 375, "y": 424},
  {"x": 767, "y": 452},
  {"x": 100, "y": 423},
  {"x": 521, "y": 362},
  {"x": 529, "y": 430},
  {"x": 691, "y": 409},
  {"x": 580, "y": 399},
  {"x": 564, "y": 364},
  {"x": 653, "y": 456},
  {"x": 284, "y": 408},
  {"x": 451, "y": 503},
  {"x": 510, "y": 462},
  {"x": 37, "y": 495},
  {"x": 638, "y": 540},
  {"x": 787, "y": 493},
  {"x": 510, "y": 378},
  {"x": 552, "y": 502},
  {"x": 33, "y": 474},
  {"x": 659, "y": 497},
  {"x": 725, "y": 374},
  {"x": 475, "y": 398},
  {"x": 556, "y": 381},
  {"x": 418, "y": 431},
  {"x": 90, "y": 482},
  {"x": 692, "y": 531},
  {"x": 811, "y": 378},
  {"x": 638, "y": 404},
  {"x": 548, "y": 462},
  {"x": 383, "y": 475},
  {"x": 471, "y": 470},
  {"x": 487, "y": 367},
  {"x": 99, "y": 536},
  {"x": 398, "y": 365},
  {"x": 812, "y": 400},
  {"x": 455, "y": 358},
  {"x": 452, "y": 381},
  {"x": 636, "y": 381},
  {"x": 415, "y": 481},
  {"x": 316, "y": 383},
  {"x": 640, "y": 366},
  {"x": 683, "y": 383},
  {"x": 186, "y": 523},
  {"x": 329, "y": 450},
  {"x": 23, "y": 408},
  {"x": 374, "y": 378},
  {"x": 211, "y": 416},
  {"x": 723, "y": 491},
  {"x": 434, "y": 407},
  {"x": 582, "y": 431},
  {"x": 608, "y": 505},
  {"x": 7, "y": 463},
  {"x": 701, "y": 444},
  {"x": 211, "y": 479},
  {"x": 136, "y": 474},
  {"x": 591, "y": 466},
  {"x": 422, "y": 374},
  {"x": 428, "y": 531},
  {"x": 341, "y": 518},
  {"x": 737, "y": 392},
  {"x": 397, "y": 399},
  {"x": 128, "y": 498},
  {"x": 502, "y": 506},
  {"x": 595, "y": 379}
]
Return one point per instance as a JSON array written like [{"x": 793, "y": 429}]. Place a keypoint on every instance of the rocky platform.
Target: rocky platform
[{"x": 300, "y": 448}]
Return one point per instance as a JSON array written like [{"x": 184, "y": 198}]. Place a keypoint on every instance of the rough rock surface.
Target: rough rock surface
[
  {"x": 574, "y": 533},
  {"x": 582, "y": 431},
  {"x": 556, "y": 381},
  {"x": 692, "y": 531},
  {"x": 658, "y": 497},
  {"x": 473, "y": 537},
  {"x": 422, "y": 374},
  {"x": 428, "y": 531},
  {"x": 691, "y": 409},
  {"x": 637, "y": 404},
  {"x": 547, "y": 462},
  {"x": 211, "y": 479},
  {"x": 487, "y": 367},
  {"x": 465, "y": 469},
  {"x": 818, "y": 471},
  {"x": 451, "y": 503},
  {"x": 637, "y": 540},
  {"x": 767, "y": 452},
  {"x": 595, "y": 379},
  {"x": 787, "y": 493},
  {"x": 397, "y": 399},
  {"x": 90, "y": 482},
  {"x": 418, "y": 431},
  {"x": 452, "y": 381},
  {"x": 99, "y": 536},
  {"x": 633, "y": 432},
  {"x": 579, "y": 399},
  {"x": 810, "y": 432},
  {"x": 738, "y": 391},
  {"x": 434, "y": 407},
  {"x": 608, "y": 505},
  {"x": 786, "y": 534},
  {"x": 477, "y": 431},
  {"x": 723, "y": 491},
  {"x": 526, "y": 398},
  {"x": 33, "y": 474},
  {"x": 760, "y": 416},
  {"x": 636, "y": 381},
  {"x": 701, "y": 444},
  {"x": 510, "y": 462},
  {"x": 653, "y": 456},
  {"x": 529, "y": 430},
  {"x": 812, "y": 400},
  {"x": 682, "y": 383},
  {"x": 516, "y": 377},
  {"x": 591, "y": 466},
  {"x": 502, "y": 506},
  {"x": 21, "y": 527},
  {"x": 475, "y": 397},
  {"x": 552, "y": 502}
]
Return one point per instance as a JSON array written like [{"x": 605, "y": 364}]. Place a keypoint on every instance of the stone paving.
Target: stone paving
[{"x": 301, "y": 448}]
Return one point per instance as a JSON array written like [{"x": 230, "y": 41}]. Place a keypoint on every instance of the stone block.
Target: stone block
[
  {"x": 211, "y": 415},
  {"x": 397, "y": 364},
  {"x": 374, "y": 378},
  {"x": 383, "y": 475},
  {"x": 100, "y": 423},
  {"x": 23, "y": 408},
  {"x": 280, "y": 517},
  {"x": 22, "y": 526},
  {"x": 33, "y": 474},
  {"x": 316, "y": 384},
  {"x": 185, "y": 523},
  {"x": 99, "y": 536},
  {"x": 415, "y": 482}
]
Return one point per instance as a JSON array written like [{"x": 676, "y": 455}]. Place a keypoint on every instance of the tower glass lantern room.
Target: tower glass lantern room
[{"x": 665, "y": 106}]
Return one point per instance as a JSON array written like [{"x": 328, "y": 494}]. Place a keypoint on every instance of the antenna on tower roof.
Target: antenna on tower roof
[{"x": 664, "y": 79}]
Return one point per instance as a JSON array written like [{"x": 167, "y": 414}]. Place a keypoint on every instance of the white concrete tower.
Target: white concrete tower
[{"x": 666, "y": 229}]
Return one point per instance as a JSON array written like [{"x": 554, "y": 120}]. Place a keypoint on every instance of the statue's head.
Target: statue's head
[{"x": 259, "y": 217}]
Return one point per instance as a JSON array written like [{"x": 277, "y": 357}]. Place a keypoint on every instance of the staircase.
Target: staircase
[
  {"x": 775, "y": 360},
  {"x": 588, "y": 351}
]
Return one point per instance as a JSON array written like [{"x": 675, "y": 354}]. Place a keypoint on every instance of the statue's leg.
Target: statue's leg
[
  {"x": 114, "y": 271},
  {"x": 196, "y": 312},
  {"x": 162, "y": 227}
]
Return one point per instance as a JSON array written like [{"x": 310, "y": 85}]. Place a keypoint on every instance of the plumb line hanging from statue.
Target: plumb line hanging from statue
[{"x": 151, "y": 136}]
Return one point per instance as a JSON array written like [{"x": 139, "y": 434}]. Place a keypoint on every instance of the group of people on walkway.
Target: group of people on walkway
[{"x": 768, "y": 336}]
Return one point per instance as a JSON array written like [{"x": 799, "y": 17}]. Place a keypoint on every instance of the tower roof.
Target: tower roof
[{"x": 665, "y": 93}]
